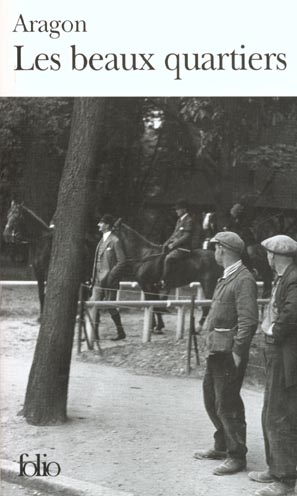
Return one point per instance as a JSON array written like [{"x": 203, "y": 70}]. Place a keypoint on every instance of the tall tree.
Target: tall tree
[{"x": 46, "y": 396}]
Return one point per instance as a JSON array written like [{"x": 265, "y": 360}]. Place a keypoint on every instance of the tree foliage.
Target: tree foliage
[
  {"x": 146, "y": 145},
  {"x": 34, "y": 133}
]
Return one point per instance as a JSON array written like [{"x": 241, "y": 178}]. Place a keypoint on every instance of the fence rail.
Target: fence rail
[
  {"x": 181, "y": 305},
  {"x": 151, "y": 305}
]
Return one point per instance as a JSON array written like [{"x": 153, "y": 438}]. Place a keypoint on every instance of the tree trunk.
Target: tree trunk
[{"x": 46, "y": 396}]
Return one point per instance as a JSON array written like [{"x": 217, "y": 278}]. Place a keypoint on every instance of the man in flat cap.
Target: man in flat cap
[
  {"x": 179, "y": 245},
  {"x": 230, "y": 326},
  {"x": 279, "y": 415},
  {"x": 108, "y": 266}
]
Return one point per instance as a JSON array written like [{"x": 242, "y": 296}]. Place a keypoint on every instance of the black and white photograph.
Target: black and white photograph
[{"x": 148, "y": 293}]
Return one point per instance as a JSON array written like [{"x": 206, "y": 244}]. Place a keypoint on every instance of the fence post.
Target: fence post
[
  {"x": 180, "y": 324},
  {"x": 192, "y": 338},
  {"x": 200, "y": 292},
  {"x": 147, "y": 324},
  {"x": 80, "y": 319}
]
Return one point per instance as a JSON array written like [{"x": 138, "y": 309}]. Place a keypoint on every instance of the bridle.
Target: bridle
[{"x": 20, "y": 216}]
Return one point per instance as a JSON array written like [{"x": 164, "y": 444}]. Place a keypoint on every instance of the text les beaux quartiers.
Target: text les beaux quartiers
[{"x": 179, "y": 63}]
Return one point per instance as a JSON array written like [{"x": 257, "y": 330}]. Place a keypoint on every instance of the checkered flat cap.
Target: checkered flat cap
[
  {"x": 229, "y": 240},
  {"x": 281, "y": 245}
]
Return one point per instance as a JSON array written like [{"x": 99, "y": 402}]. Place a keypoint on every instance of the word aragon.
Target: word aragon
[
  {"x": 111, "y": 61},
  {"x": 38, "y": 467},
  {"x": 53, "y": 27}
]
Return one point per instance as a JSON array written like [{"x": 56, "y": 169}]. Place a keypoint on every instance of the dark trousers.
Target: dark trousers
[
  {"x": 223, "y": 403},
  {"x": 171, "y": 262},
  {"x": 99, "y": 294},
  {"x": 279, "y": 418}
]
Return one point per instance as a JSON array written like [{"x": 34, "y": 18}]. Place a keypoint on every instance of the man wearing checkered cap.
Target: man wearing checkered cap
[
  {"x": 279, "y": 415},
  {"x": 230, "y": 326}
]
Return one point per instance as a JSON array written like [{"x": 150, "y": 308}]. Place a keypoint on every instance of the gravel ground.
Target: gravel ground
[
  {"x": 135, "y": 417},
  {"x": 162, "y": 356}
]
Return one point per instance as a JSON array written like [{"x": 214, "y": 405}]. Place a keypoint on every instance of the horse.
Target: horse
[
  {"x": 254, "y": 256},
  {"x": 145, "y": 263},
  {"x": 25, "y": 226},
  {"x": 209, "y": 228}
]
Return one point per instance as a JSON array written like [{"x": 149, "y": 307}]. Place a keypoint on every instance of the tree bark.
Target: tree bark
[{"x": 46, "y": 396}]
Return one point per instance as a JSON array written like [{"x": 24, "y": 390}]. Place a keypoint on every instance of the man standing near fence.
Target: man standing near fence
[
  {"x": 109, "y": 263},
  {"x": 279, "y": 415},
  {"x": 230, "y": 326}
]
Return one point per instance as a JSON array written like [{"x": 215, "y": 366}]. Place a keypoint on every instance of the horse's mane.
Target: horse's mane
[{"x": 140, "y": 237}]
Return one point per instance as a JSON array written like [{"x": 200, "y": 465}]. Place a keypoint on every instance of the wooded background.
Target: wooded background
[
  {"x": 72, "y": 160},
  {"x": 212, "y": 151}
]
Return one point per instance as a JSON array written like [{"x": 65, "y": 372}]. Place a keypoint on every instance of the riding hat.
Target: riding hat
[
  {"x": 281, "y": 245},
  {"x": 107, "y": 219},
  {"x": 181, "y": 203},
  {"x": 229, "y": 240},
  {"x": 237, "y": 210}
]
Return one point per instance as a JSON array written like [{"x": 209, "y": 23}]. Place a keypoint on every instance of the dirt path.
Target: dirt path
[{"x": 126, "y": 431}]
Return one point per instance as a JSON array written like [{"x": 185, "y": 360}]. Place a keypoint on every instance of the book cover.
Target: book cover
[{"x": 134, "y": 111}]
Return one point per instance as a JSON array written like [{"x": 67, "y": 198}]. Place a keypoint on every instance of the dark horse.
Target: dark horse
[
  {"x": 145, "y": 264},
  {"x": 24, "y": 226},
  {"x": 254, "y": 256}
]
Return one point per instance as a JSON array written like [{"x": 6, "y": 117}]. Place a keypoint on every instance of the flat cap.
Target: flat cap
[
  {"x": 281, "y": 245},
  {"x": 229, "y": 240}
]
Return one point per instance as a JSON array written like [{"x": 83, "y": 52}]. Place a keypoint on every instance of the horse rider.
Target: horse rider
[
  {"x": 279, "y": 414},
  {"x": 239, "y": 223},
  {"x": 107, "y": 269},
  {"x": 179, "y": 245}
]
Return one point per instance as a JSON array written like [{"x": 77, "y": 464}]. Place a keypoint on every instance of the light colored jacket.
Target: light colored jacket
[{"x": 109, "y": 262}]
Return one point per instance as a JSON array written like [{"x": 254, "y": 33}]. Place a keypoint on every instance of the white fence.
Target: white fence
[{"x": 180, "y": 304}]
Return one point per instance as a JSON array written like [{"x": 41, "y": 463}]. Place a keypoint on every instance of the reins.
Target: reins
[
  {"x": 43, "y": 236},
  {"x": 117, "y": 230},
  {"x": 39, "y": 219},
  {"x": 145, "y": 259},
  {"x": 255, "y": 225}
]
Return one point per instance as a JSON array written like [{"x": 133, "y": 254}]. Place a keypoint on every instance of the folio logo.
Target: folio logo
[{"x": 38, "y": 467}]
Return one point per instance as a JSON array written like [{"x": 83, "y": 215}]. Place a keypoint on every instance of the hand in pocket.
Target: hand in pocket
[{"x": 236, "y": 358}]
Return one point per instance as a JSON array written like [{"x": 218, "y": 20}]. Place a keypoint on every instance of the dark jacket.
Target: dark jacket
[
  {"x": 234, "y": 305},
  {"x": 285, "y": 327},
  {"x": 182, "y": 234},
  {"x": 109, "y": 262}
]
